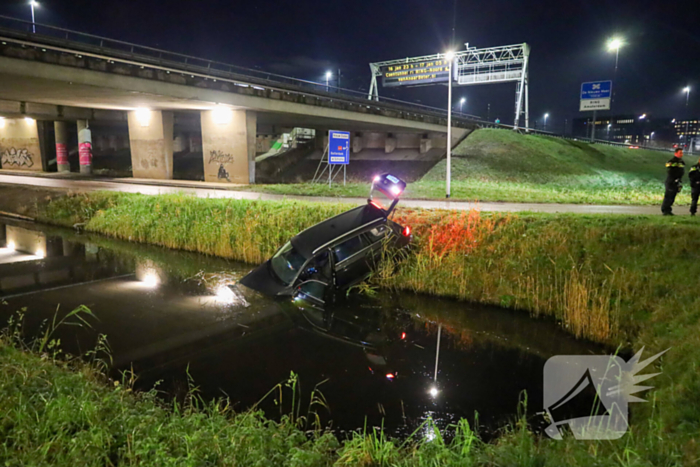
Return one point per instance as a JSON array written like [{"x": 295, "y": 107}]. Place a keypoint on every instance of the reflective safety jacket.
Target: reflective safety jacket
[
  {"x": 676, "y": 169},
  {"x": 694, "y": 176}
]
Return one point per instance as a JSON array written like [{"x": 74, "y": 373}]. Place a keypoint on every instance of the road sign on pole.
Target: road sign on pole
[
  {"x": 595, "y": 95},
  {"x": 338, "y": 147}
]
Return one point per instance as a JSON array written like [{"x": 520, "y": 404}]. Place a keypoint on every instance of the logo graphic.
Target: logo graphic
[
  {"x": 588, "y": 395},
  {"x": 596, "y": 86}
]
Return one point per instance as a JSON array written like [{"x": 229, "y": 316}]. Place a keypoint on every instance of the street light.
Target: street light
[
  {"x": 328, "y": 76},
  {"x": 449, "y": 56},
  {"x": 614, "y": 44},
  {"x": 686, "y": 90},
  {"x": 461, "y": 103},
  {"x": 546, "y": 116},
  {"x": 33, "y": 4}
]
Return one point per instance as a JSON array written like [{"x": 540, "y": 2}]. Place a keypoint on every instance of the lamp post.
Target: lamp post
[
  {"x": 546, "y": 116},
  {"x": 461, "y": 103},
  {"x": 614, "y": 44},
  {"x": 449, "y": 56},
  {"x": 328, "y": 76},
  {"x": 686, "y": 90},
  {"x": 33, "y": 4}
]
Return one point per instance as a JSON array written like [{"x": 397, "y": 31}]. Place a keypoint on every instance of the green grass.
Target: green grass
[
  {"x": 623, "y": 280},
  {"x": 501, "y": 165}
]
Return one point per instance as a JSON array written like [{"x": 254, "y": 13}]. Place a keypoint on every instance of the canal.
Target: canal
[{"x": 391, "y": 360}]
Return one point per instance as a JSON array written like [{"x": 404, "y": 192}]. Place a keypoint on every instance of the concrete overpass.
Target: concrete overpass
[{"x": 61, "y": 75}]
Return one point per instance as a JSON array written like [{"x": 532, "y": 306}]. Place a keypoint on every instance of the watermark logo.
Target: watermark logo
[{"x": 589, "y": 395}]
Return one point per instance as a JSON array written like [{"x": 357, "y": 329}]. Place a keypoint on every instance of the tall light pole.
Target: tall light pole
[
  {"x": 328, "y": 76},
  {"x": 449, "y": 56},
  {"x": 461, "y": 103},
  {"x": 33, "y": 4},
  {"x": 686, "y": 90},
  {"x": 546, "y": 116},
  {"x": 614, "y": 44}
]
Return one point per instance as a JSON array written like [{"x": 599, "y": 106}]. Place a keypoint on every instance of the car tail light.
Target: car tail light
[
  {"x": 376, "y": 205},
  {"x": 406, "y": 231}
]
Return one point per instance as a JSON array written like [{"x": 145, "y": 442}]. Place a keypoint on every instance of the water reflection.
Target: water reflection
[{"x": 395, "y": 360}]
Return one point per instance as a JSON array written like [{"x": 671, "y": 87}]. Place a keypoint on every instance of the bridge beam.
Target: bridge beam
[
  {"x": 228, "y": 145},
  {"x": 19, "y": 144},
  {"x": 151, "y": 138}
]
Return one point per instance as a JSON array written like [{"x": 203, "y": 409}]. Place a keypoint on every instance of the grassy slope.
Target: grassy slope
[
  {"x": 500, "y": 165},
  {"x": 625, "y": 280}
]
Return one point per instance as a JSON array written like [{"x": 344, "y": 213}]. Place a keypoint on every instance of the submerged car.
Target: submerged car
[{"x": 337, "y": 253}]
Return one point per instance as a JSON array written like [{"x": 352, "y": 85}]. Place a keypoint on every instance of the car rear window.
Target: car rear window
[{"x": 287, "y": 263}]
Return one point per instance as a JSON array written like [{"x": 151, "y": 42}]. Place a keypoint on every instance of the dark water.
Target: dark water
[{"x": 168, "y": 313}]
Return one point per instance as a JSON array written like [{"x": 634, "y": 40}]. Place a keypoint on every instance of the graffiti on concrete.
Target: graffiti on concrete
[
  {"x": 219, "y": 157},
  {"x": 146, "y": 164},
  {"x": 17, "y": 158},
  {"x": 223, "y": 173}
]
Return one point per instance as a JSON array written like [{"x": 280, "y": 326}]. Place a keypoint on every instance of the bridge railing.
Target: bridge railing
[{"x": 89, "y": 43}]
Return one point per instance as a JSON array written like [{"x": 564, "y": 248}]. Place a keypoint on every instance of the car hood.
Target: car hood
[{"x": 262, "y": 280}]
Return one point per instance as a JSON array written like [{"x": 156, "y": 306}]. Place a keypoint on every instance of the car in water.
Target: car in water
[{"x": 337, "y": 253}]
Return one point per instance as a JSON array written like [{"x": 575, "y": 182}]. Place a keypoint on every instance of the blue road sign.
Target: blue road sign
[
  {"x": 338, "y": 147},
  {"x": 596, "y": 90}
]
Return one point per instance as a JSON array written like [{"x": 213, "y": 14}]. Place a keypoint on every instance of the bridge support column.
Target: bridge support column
[
  {"x": 61, "y": 131},
  {"x": 151, "y": 138},
  {"x": 84, "y": 147},
  {"x": 19, "y": 144},
  {"x": 228, "y": 145}
]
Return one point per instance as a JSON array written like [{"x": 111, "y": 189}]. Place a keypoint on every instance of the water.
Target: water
[{"x": 168, "y": 313}]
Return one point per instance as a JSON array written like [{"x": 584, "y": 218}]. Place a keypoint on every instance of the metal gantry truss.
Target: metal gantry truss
[{"x": 479, "y": 66}]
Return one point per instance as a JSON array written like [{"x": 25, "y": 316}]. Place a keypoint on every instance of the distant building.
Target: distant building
[{"x": 638, "y": 130}]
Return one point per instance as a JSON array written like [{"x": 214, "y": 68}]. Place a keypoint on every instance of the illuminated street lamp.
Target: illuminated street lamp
[
  {"x": 328, "y": 76},
  {"x": 449, "y": 56},
  {"x": 461, "y": 103},
  {"x": 614, "y": 44},
  {"x": 546, "y": 116},
  {"x": 33, "y": 4}
]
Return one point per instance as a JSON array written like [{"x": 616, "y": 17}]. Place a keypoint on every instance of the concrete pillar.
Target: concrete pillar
[
  {"x": 84, "y": 147},
  {"x": 357, "y": 143},
  {"x": 426, "y": 144},
  {"x": 228, "y": 145},
  {"x": 151, "y": 139},
  {"x": 19, "y": 144},
  {"x": 389, "y": 144},
  {"x": 61, "y": 131}
]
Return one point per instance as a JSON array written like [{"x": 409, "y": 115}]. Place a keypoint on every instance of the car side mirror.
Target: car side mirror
[{"x": 312, "y": 291}]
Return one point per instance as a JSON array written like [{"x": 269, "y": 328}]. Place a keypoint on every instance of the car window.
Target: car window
[
  {"x": 314, "y": 289},
  {"x": 348, "y": 248},
  {"x": 376, "y": 234},
  {"x": 287, "y": 263}
]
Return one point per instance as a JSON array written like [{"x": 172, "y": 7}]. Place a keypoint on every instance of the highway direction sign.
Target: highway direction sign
[
  {"x": 595, "y": 95},
  {"x": 338, "y": 147}
]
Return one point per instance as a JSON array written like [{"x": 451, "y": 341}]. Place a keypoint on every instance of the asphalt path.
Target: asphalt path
[{"x": 218, "y": 190}]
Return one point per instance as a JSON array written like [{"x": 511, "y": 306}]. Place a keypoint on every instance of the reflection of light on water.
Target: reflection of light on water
[
  {"x": 11, "y": 246},
  {"x": 40, "y": 253},
  {"x": 225, "y": 293},
  {"x": 150, "y": 280},
  {"x": 230, "y": 296},
  {"x": 433, "y": 392}
]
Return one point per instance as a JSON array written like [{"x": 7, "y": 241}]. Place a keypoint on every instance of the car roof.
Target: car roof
[{"x": 328, "y": 231}]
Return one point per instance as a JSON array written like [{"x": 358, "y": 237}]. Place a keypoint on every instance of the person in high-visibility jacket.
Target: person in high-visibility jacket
[
  {"x": 694, "y": 176},
  {"x": 675, "y": 170}
]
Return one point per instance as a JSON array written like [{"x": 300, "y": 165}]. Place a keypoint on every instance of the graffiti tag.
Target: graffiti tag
[
  {"x": 223, "y": 173},
  {"x": 17, "y": 158},
  {"x": 220, "y": 157}
]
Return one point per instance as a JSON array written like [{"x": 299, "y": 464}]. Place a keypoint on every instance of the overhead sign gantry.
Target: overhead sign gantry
[{"x": 471, "y": 66}]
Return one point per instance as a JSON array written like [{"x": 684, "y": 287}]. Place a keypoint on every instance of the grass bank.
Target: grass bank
[
  {"x": 501, "y": 165},
  {"x": 623, "y": 280}
]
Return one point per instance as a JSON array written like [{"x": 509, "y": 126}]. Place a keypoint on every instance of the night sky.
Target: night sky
[{"x": 305, "y": 38}]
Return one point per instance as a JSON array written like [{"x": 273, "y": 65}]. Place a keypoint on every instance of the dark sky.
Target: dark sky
[{"x": 303, "y": 38}]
